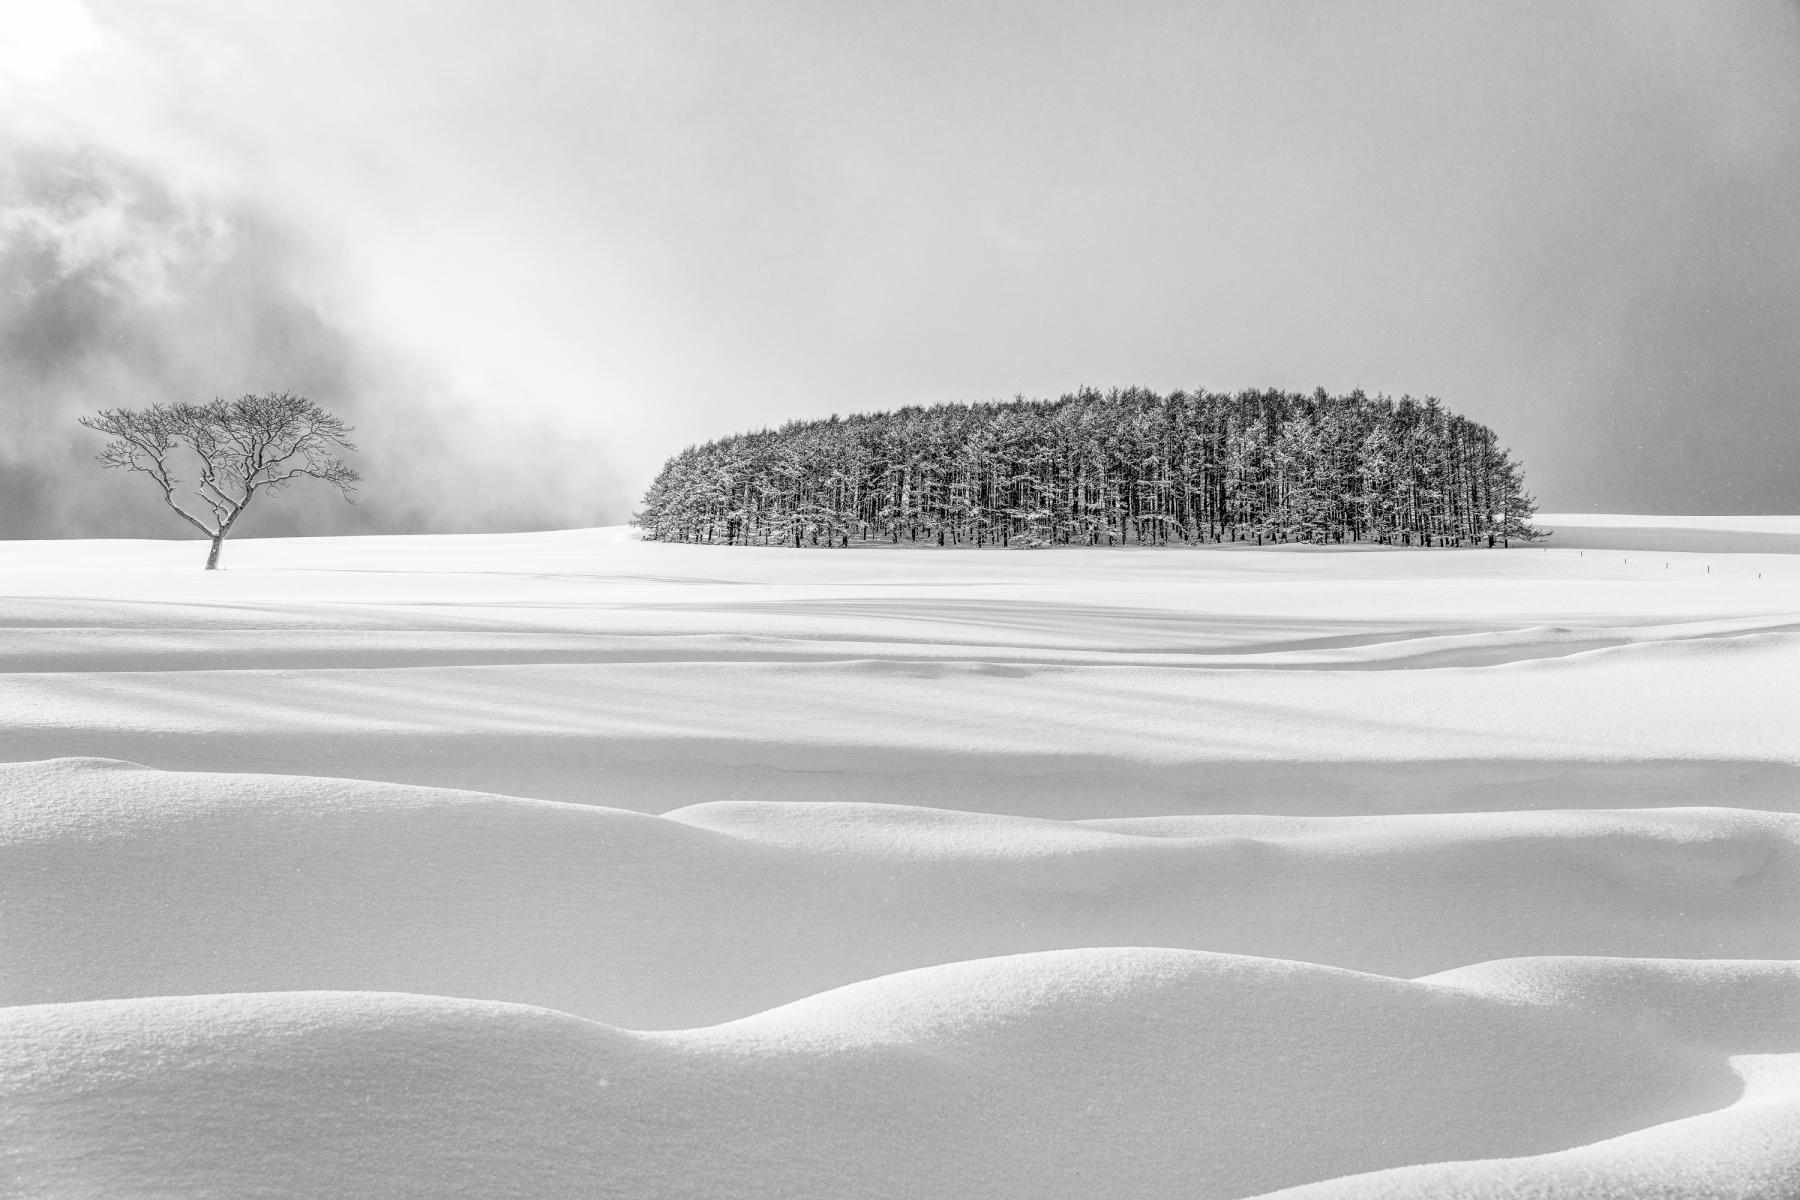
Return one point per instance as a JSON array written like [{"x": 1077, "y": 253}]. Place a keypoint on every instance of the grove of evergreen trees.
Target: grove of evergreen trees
[{"x": 1098, "y": 468}]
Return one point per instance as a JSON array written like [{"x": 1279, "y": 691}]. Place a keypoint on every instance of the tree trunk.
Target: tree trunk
[{"x": 212, "y": 558}]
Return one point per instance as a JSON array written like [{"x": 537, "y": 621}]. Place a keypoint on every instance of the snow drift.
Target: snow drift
[
  {"x": 1134, "y": 1072},
  {"x": 564, "y": 865},
  {"x": 121, "y": 882}
]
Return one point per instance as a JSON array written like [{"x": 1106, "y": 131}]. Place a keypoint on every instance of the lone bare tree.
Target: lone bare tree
[{"x": 240, "y": 447}]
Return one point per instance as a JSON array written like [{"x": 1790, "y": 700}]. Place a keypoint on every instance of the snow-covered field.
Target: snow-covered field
[{"x": 563, "y": 865}]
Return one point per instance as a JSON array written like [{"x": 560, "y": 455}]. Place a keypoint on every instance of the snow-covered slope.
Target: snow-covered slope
[
  {"x": 265, "y": 883},
  {"x": 900, "y": 872},
  {"x": 1074, "y": 683},
  {"x": 1110, "y": 1072}
]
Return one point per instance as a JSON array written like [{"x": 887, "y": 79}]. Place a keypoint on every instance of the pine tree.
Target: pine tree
[{"x": 1121, "y": 467}]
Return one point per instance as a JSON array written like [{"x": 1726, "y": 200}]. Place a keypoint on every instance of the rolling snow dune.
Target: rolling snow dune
[
  {"x": 561, "y": 864},
  {"x": 266, "y": 883},
  {"x": 1225, "y": 1075},
  {"x": 1750, "y": 1149}
]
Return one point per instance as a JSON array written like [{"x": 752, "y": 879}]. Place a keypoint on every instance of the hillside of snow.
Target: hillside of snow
[{"x": 568, "y": 865}]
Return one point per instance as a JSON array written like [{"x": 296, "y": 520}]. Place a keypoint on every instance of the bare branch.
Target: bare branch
[{"x": 242, "y": 446}]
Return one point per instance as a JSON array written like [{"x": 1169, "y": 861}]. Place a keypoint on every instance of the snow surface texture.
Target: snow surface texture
[{"x": 561, "y": 865}]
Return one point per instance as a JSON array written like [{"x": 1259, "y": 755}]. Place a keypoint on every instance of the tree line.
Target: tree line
[{"x": 1104, "y": 468}]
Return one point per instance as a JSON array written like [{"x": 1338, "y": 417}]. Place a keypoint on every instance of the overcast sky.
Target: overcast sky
[{"x": 535, "y": 248}]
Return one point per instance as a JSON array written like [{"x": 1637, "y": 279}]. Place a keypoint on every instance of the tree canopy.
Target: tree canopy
[
  {"x": 1104, "y": 468},
  {"x": 235, "y": 450}
]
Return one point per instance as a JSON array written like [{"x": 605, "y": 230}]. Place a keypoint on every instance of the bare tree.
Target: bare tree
[{"x": 240, "y": 448}]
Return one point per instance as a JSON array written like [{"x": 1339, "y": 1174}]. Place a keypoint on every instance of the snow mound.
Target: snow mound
[
  {"x": 1749, "y": 1150},
  {"x": 1750, "y": 1004},
  {"x": 1117, "y": 1072},
  {"x": 122, "y": 881}
]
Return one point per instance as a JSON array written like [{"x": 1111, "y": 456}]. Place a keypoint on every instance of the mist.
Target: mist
[
  {"x": 533, "y": 251},
  {"x": 124, "y": 292}
]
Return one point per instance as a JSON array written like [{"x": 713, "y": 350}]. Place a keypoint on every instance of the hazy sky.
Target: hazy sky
[{"x": 534, "y": 248}]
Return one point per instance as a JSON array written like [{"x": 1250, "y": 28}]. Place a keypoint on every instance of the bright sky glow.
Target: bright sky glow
[{"x": 647, "y": 224}]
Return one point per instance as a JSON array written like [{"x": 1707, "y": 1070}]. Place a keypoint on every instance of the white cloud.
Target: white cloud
[
  {"x": 654, "y": 222},
  {"x": 38, "y": 38}
]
